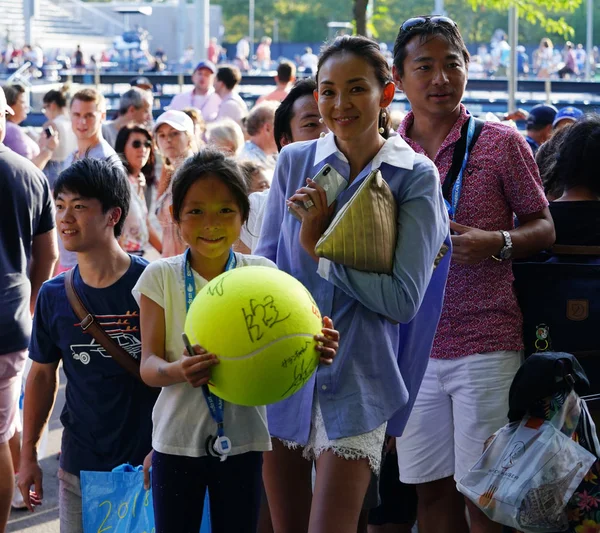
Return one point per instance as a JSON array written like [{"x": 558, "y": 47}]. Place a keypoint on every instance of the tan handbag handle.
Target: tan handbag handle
[{"x": 88, "y": 324}]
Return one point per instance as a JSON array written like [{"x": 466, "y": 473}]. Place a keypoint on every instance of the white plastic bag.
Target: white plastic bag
[{"x": 529, "y": 471}]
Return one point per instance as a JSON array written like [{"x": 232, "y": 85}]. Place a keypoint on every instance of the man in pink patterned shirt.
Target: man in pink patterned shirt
[{"x": 477, "y": 350}]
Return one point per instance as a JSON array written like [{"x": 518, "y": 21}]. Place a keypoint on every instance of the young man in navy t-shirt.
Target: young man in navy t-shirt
[{"x": 107, "y": 416}]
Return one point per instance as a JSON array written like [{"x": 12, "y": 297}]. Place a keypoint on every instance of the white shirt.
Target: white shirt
[
  {"x": 250, "y": 232},
  {"x": 66, "y": 138},
  {"x": 181, "y": 418},
  {"x": 310, "y": 61},
  {"x": 233, "y": 107},
  {"x": 208, "y": 104}
]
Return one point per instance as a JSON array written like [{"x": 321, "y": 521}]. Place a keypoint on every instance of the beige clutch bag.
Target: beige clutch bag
[{"x": 363, "y": 234}]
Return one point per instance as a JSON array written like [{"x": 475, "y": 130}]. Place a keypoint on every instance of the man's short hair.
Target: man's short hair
[
  {"x": 104, "y": 180},
  {"x": 135, "y": 97},
  {"x": 90, "y": 95},
  {"x": 230, "y": 75},
  {"x": 284, "y": 113},
  {"x": 425, "y": 32},
  {"x": 260, "y": 115},
  {"x": 286, "y": 71}
]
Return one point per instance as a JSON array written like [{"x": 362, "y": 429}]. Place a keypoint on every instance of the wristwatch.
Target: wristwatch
[{"x": 507, "y": 250}]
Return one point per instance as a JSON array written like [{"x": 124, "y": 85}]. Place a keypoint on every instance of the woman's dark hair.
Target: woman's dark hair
[
  {"x": 12, "y": 92},
  {"x": 369, "y": 51},
  {"x": 207, "y": 163},
  {"x": 58, "y": 97},
  {"x": 120, "y": 143},
  {"x": 284, "y": 113},
  {"x": 577, "y": 163},
  {"x": 98, "y": 179},
  {"x": 425, "y": 32},
  {"x": 546, "y": 159}
]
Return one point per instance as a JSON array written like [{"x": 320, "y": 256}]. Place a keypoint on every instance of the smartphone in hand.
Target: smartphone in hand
[{"x": 332, "y": 182}]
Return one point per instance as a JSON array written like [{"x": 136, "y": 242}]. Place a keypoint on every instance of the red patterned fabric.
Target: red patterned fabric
[{"x": 481, "y": 313}]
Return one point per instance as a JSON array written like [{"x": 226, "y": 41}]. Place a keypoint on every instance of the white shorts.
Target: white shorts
[
  {"x": 11, "y": 374},
  {"x": 461, "y": 402},
  {"x": 365, "y": 446}
]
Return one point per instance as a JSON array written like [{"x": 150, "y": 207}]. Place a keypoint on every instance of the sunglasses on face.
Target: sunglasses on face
[
  {"x": 414, "y": 22},
  {"x": 138, "y": 144}
]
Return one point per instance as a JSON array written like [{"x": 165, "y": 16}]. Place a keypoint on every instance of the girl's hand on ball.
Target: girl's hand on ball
[
  {"x": 328, "y": 343},
  {"x": 196, "y": 368}
]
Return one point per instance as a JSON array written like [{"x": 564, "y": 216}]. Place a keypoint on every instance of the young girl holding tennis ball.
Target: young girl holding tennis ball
[{"x": 210, "y": 205}]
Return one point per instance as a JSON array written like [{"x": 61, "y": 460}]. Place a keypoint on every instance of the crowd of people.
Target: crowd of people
[
  {"x": 416, "y": 362},
  {"x": 490, "y": 60}
]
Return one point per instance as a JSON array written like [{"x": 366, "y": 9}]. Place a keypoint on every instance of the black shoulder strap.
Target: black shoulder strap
[{"x": 459, "y": 154}]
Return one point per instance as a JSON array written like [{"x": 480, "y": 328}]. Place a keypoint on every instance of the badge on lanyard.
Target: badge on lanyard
[{"x": 218, "y": 446}]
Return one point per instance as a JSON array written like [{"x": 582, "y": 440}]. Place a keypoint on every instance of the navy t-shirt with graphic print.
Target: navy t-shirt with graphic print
[{"x": 107, "y": 416}]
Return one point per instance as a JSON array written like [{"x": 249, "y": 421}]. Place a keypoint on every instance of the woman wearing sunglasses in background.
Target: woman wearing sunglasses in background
[{"x": 134, "y": 146}]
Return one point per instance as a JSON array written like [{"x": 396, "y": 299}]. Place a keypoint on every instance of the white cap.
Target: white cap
[
  {"x": 4, "y": 107},
  {"x": 177, "y": 120}
]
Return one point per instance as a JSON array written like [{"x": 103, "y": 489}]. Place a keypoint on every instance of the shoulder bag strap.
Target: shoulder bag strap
[
  {"x": 459, "y": 153},
  {"x": 88, "y": 323}
]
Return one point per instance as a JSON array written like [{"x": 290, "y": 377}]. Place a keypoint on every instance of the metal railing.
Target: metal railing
[{"x": 22, "y": 75}]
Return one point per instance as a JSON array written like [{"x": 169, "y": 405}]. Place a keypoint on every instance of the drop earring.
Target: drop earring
[
  {"x": 321, "y": 120},
  {"x": 382, "y": 131},
  {"x": 322, "y": 134},
  {"x": 383, "y": 115}
]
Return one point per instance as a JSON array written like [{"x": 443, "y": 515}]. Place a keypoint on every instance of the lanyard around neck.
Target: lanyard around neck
[
  {"x": 215, "y": 404},
  {"x": 457, "y": 188}
]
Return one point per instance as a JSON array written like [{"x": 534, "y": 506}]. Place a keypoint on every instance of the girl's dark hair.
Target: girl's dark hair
[
  {"x": 426, "y": 31},
  {"x": 577, "y": 158},
  {"x": 546, "y": 159},
  {"x": 122, "y": 138},
  {"x": 58, "y": 97},
  {"x": 206, "y": 163},
  {"x": 369, "y": 51},
  {"x": 98, "y": 179},
  {"x": 284, "y": 113}
]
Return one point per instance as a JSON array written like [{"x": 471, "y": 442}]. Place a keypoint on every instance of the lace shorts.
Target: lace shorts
[{"x": 365, "y": 446}]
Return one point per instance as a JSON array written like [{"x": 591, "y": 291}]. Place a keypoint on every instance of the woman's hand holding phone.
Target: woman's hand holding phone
[{"x": 309, "y": 204}]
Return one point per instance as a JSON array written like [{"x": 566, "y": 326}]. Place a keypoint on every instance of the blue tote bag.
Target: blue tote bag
[{"x": 117, "y": 502}]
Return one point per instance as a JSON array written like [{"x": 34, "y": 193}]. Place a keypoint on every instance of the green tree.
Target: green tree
[{"x": 478, "y": 18}]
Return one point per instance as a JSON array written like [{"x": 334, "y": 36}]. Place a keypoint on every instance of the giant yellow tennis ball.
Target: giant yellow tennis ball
[{"x": 261, "y": 323}]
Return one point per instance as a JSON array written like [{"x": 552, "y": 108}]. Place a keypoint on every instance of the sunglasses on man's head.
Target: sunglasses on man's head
[
  {"x": 138, "y": 144},
  {"x": 414, "y": 22}
]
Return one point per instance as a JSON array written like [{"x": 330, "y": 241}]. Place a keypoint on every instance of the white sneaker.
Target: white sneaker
[{"x": 17, "y": 500}]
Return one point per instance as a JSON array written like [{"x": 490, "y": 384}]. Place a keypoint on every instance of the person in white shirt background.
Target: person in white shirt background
[
  {"x": 309, "y": 60},
  {"x": 202, "y": 96},
  {"x": 232, "y": 105},
  {"x": 56, "y": 111}
]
